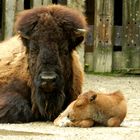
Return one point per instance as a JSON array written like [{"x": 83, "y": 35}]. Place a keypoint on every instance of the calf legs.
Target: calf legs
[
  {"x": 113, "y": 122},
  {"x": 83, "y": 123}
]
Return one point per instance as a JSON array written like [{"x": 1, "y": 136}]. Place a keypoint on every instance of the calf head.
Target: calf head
[
  {"x": 50, "y": 34},
  {"x": 84, "y": 107}
]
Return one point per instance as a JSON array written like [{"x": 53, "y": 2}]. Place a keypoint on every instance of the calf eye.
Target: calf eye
[{"x": 93, "y": 98}]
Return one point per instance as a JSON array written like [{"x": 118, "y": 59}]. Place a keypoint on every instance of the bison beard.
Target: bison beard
[
  {"x": 42, "y": 77},
  {"x": 49, "y": 104}
]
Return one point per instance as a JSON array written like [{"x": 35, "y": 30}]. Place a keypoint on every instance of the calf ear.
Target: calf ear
[
  {"x": 93, "y": 98},
  {"x": 25, "y": 23}
]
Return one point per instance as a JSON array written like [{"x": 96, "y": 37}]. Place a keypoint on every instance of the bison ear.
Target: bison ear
[
  {"x": 93, "y": 98},
  {"x": 25, "y": 23},
  {"x": 79, "y": 34},
  {"x": 77, "y": 38}
]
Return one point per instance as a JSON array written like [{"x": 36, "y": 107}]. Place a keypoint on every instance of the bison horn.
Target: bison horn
[{"x": 80, "y": 32}]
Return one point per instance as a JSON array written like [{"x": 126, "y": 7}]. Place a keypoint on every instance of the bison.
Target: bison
[
  {"x": 92, "y": 109},
  {"x": 40, "y": 73}
]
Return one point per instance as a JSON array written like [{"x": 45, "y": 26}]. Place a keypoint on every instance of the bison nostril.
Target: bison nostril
[
  {"x": 48, "y": 76},
  {"x": 47, "y": 81}
]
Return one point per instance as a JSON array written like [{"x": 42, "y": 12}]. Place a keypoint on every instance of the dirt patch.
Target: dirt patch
[{"x": 130, "y": 128}]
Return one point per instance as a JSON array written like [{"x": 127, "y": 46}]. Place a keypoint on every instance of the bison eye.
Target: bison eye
[
  {"x": 64, "y": 51},
  {"x": 33, "y": 48}
]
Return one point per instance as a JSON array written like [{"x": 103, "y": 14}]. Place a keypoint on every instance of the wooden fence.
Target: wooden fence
[
  {"x": 113, "y": 41},
  {"x": 11, "y": 7},
  {"x": 116, "y": 36}
]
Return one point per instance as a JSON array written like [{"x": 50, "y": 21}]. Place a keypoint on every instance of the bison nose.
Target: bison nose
[
  {"x": 48, "y": 76},
  {"x": 48, "y": 81}
]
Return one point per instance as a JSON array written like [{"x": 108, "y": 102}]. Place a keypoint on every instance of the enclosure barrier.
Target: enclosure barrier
[{"x": 113, "y": 39}]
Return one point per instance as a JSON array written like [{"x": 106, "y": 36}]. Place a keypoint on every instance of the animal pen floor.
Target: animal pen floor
[{"x": 130, "y": 128}]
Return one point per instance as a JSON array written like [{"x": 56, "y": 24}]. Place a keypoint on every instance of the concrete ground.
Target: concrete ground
[{"x": 130, "y": 128}]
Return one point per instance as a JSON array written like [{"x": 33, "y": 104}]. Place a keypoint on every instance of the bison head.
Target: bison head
[{"x": 50, "y": 34}]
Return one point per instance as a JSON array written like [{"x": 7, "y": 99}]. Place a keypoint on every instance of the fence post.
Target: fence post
[
  {"x": 9, "y": 17},
  {"x": 20, "y": 5},
  {"x": 36, "y": 3},
  {"x": 131, "y": 34},
  {"x": 80, "y": 6},
  {"x": 102, "y": 56},
  {"x": 47, "y": 2},
  {"x": 62, "y": 2}
]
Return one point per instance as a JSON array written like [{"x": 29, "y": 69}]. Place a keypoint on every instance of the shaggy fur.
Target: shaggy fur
[{"x": 49, "y": 36}]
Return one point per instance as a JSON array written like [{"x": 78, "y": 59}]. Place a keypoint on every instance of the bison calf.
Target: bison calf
[{"x": 92, "y": 108}]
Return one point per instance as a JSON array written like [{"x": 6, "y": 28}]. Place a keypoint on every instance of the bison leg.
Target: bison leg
[{"x": 14, "y": 108}]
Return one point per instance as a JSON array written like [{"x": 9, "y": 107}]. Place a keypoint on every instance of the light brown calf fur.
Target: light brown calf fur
[{"x": 93, "y": 108}]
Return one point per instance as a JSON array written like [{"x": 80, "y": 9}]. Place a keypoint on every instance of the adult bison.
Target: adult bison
[{"x": 38, "y": 80}]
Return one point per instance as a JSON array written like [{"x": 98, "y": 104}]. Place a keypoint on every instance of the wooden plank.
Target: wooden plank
[
  {"x": 20, "y": 5},
  {"x": 131, "y": 28},
  {"x": 1, "y": 20},
  {"x": 9, "y": 17},
  {"x": 36, "y": 3},
  {"x": 63, "y": 2},
  {"x": 117, "y": 61},
  {"x": 47, "y": 2},
  {"x": 117, "y": 35},
  {"x": 89, "y": 39},
  {"x": 130, "y": 71},
  {"x": 79, "y": 5},
  {"x": 88, "y": 61},
  {"x": 103, "y": 36}
]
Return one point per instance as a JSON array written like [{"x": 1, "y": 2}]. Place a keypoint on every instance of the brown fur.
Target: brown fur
[
  {"x": 52, "y": 30},
  {"x": 93, "y": 108}
]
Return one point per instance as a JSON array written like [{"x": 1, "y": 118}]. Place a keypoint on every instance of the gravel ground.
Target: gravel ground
[{"x": 130, "y": 128}]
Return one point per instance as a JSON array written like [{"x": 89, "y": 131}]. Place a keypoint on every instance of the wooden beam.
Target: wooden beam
[
  {"x": 79, "y": 5},
  {"x": 20, "y": 5},
  {"x": 47, "y": 2},
  {"x": 131, "y": 36},
  {"x": 9, "y": 17},
  {"x": 63, "y": 2},
  {"x": 103, "y": 35},
  {"x": 36, "y": 3}
]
